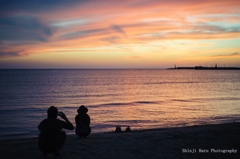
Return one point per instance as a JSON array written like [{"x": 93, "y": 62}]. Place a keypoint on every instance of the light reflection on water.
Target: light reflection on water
[{"x": 139, "y": 98}]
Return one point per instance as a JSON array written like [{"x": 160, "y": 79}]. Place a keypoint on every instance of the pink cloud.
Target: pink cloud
[{"x": 102, "y": 23}]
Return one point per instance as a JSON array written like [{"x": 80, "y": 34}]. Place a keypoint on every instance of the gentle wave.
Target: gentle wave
[
  {"x": 207, "y": 99},
  {"x": 171, "y": 83},
  {"x": 181, "y": 100},
  {"x": 123, "y": 104}
]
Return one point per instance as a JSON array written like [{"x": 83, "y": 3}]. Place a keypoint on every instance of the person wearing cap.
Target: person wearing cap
[
  {"x": 51, "y": 137},
  {"x": 82, "y": 122}
]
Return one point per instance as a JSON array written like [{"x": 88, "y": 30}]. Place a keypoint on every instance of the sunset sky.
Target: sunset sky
[{"x": 119, "y": 34}]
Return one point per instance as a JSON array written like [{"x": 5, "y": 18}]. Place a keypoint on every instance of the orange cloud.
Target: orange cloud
[
  {"x": 96, "y": 26},
  {"x": 232, "y": 55}
]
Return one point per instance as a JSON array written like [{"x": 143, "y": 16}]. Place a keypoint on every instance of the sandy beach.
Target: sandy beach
[{"x": 207, "y": 141}]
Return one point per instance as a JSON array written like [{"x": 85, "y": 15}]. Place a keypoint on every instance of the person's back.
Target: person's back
[
  {"x": 52, "y": 126},
  {"x": 82, "y": 122},
  {"x": 51, "y": 137}
]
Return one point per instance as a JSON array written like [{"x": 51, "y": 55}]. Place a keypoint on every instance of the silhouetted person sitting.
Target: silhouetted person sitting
[
  {"x": 82, "y": 122},
  {"x": 51, "y": 137}
]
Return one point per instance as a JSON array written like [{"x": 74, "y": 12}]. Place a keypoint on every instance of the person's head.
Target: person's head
[
  {"x": 52, "y": 112},
  {"x": 82, "y": 110}
]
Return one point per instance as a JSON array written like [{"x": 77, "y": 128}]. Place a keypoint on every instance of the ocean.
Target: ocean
[{"x": 139, "y": 98}]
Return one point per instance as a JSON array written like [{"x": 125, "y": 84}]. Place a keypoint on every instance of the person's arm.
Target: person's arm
[
  {"x": 40, "y": 126},
  {"x": 68, "y": 124},
  {"x": 88, "y": 120},
  {"x": 76, "y": 120}
]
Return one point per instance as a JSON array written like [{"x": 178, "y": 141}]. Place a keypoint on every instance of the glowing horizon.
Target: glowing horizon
[{"x": 114, "y": 34}]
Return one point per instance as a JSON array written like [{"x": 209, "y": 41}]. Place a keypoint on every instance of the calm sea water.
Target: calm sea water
[{"x": 141, "y": 99}]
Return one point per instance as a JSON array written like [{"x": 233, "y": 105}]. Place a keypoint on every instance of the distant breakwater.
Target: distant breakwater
[{"x": 208, "y": 68}]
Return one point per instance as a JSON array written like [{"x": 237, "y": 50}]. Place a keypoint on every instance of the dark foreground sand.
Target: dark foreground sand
[{"x": 218, "y": 141}]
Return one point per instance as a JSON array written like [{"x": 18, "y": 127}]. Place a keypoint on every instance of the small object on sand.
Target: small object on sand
[
  {"x": 118, "y": 129},
  {"x": 128, "y": 129}
]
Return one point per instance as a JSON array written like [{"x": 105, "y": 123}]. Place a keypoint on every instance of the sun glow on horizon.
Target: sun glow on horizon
[{"x": 131, "y": 34}]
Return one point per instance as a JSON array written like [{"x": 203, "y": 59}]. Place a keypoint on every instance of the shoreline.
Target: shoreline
[
  {"x": 201, "y": 141},
  {"x": 133, "y": 130}
]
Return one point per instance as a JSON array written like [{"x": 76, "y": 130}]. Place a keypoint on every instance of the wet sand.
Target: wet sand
[{"x": 207, "y": 141}]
